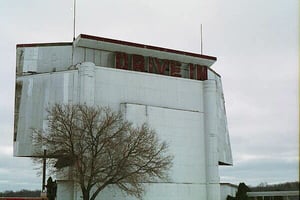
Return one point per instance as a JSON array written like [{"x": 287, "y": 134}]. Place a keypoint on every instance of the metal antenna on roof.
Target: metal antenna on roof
[
  {"x": 74, "y": 17},
  {"x": 201, "y": 40},
  {"x": 74, "y": 23}
]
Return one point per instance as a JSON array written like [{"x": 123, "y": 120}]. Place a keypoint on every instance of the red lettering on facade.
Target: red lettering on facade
[
  {"x": 138, "y": 63},
  {"x": 157, "y": 66},
  {"x": 160, "y": 66},
  {"x": 201, "y": 72},
  {"x": 192, "y": 70},
  {"x": 151, "y": 65},
  {"x": 121, "y": 60},
  {"x": 175, "y": 69}
]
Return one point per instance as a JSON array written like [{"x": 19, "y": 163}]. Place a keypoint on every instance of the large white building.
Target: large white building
[{"x": 176, "y": 92}]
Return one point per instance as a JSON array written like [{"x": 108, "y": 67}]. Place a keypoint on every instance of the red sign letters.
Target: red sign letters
[{"x": 160, "y": 66}]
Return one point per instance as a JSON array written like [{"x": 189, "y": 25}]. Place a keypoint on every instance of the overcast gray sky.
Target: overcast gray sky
[{"x": 255, "y": 41}]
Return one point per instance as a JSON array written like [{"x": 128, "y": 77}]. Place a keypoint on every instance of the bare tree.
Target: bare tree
[{"x": 103, "y": 149}]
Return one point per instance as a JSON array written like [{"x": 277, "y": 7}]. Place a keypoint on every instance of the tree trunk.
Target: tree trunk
[{"x": 86, "y": 195}]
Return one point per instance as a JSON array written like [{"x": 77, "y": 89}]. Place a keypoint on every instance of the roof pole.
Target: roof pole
[
  {"x": 201, "y": 40},
  {"x": 74, "y": 18}
]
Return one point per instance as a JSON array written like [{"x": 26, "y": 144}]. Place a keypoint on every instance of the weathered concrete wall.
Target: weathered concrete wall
[{"x": 189, "y": 114}]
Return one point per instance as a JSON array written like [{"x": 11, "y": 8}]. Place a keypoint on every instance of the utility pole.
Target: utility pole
[{"x": 44, "y": 171}]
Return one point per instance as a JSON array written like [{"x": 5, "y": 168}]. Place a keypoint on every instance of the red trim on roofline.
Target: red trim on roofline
[
  {"x": 45, "y": 44},
  {"x": 121, "y": 43},
  {"x": 146, "y": 46}
]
